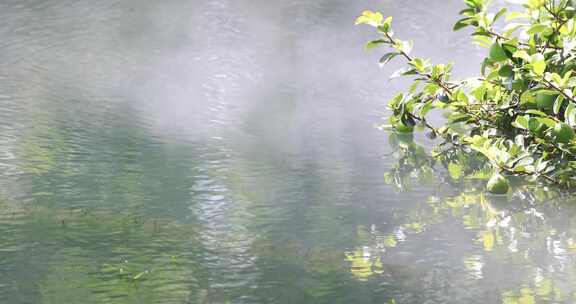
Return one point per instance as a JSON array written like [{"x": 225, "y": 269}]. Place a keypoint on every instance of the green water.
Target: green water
[{"x": 196, "y": 151}]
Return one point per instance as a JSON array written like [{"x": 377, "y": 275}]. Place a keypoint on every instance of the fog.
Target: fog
[
  {"x": 281, "y": 70},
  {"x": 236, "y": 140}
]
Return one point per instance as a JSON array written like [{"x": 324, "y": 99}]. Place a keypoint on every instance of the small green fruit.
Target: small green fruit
[
  {"x": 563, "y": 133},
  {"x": 497, "y": 52},
  {"x": 444, "y": 98},
  {"x": 498, "y": 184},
  {"x": 545, "y": 101}
]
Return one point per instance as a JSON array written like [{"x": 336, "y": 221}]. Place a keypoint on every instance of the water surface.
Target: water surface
[{"x": 219, "y": 151}]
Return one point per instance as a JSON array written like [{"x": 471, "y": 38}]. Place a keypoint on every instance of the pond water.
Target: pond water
[{"x": 224, "y": 151}]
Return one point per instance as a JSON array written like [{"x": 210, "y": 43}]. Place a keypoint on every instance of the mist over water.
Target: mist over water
[{"x": 189, "y": 151}]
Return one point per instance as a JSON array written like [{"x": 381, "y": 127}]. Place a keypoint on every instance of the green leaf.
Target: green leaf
[
  {"x": 458, "y": 117},
  {"x": 385, "y": 27},
  {"x": 549, "y": 122},
  {"x": 499, "y": 14},
  {"x": 558, "y": 104},
  {"x": 431, "y": 89},
  {"x": 523, "y": 55},
  {"x": 421, "y": 109},
  {"x": 546, "y": 92},
  {"x": 386, "y": 58},
  {"x": 536, "y": 112},
  {"x": 516, "y": 15},
  {"x": 374, "y": 44},
  {"x": 497, "y": 52},
  {"x": 527, "y": 97},
  {"x": 539, "y": 29},
  {"x": 512, "y": 27},
  {"x": 525, "y": 160},
  {"x": 396, "y": 100},
  {"x": 413, "y": 87},
  {"x": 521, "y": 122},
  {"x": 570, "y": 115},
  {"x": 535, "y": 4},
  {"x": 482, "y": 41},
  {"x": 462, "y": 97},
  {"x": 462, "y": 23},
  {"x": 557, "y": 79},
  {"x": 388, "y": 20},
  {"x": 538, "y": 64},
  {"x": 403, "y": 46},
  {"x": 506, "y": 71},
  {"x": 534, "y": 125},
  {"x": 420, "y": 64},
  {"x": 403, "y": 72},
  {"x": 371, "y": 18}
]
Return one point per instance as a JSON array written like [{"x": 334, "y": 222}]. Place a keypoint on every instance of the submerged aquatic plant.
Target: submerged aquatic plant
[{"x": 519, "y": 115}]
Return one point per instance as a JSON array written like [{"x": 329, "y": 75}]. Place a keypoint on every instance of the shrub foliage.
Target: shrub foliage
[{"x": 519, "y": 115}]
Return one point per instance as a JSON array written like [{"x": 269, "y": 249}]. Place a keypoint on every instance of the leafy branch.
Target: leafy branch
[{"x": 520, "y": 114}]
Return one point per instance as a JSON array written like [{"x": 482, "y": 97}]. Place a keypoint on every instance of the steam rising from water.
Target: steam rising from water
[
  {"x": 267, "y": 107},
  {"x": 203, "y": 67}
]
